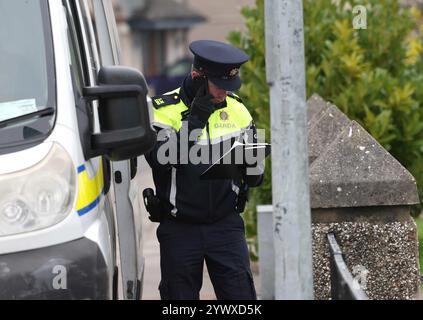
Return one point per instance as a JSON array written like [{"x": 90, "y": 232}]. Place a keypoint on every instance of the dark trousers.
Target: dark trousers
[{"x": 183, "y": 249}]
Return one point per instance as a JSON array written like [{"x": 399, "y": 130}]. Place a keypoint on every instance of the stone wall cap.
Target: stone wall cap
[
  {"x": 356, "y": 171},
  {"x": 322, "y": 132},
  {"x": 315, "y": 105}
]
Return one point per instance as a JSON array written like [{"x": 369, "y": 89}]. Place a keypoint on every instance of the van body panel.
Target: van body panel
[
  {"x": 83, "y": 244},
  {"x": 73, "y": 270}
]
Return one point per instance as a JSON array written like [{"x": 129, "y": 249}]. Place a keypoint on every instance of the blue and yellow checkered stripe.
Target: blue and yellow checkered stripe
[{"x": 90, "y": 191}]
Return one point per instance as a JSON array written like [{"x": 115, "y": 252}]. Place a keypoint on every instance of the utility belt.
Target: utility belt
[{"x": 156, "y": 209}]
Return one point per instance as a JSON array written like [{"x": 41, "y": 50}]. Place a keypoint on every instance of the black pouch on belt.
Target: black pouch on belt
[
  {"x": 153, "y": 205},
  {"x": 242, "y": 198}
]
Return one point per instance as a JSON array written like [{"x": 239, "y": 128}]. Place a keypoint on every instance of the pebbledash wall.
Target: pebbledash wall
[{"x": 362, "y": 194}]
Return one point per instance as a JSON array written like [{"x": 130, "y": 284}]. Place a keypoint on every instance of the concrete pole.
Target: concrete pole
[{"x": 290, "y": 181}]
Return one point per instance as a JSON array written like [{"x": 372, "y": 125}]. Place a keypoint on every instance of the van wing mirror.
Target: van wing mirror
[{"x": 126, "y": 130}]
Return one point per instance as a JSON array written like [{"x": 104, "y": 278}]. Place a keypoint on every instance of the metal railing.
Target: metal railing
[{"x": 343, "y": 286}]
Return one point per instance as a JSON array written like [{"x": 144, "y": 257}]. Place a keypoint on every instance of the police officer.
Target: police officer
[{"x": 200, "y": 219}]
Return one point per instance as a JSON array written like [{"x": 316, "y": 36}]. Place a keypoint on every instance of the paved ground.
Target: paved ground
[{"x": 152, "y": 251}]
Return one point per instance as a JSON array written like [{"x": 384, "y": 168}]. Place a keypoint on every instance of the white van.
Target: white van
[{"x": 71, "y": 120}]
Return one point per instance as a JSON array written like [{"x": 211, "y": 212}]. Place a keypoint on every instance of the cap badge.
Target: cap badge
[
  {"x": 233, "y": 72},
  {"x": 224, "y": 116}
]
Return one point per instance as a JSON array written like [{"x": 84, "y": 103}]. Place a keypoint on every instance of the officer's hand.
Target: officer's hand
[{"x": 202, "y": 106}]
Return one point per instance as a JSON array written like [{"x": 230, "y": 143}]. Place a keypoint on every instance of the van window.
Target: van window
[
  {"x": 76, "y": 66},
  {"x": 26, "y": 72},
  {"x": 103, "y": 35}
]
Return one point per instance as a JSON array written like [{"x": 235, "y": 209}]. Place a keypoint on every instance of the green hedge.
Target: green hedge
[{"x": 374, "y": 75}]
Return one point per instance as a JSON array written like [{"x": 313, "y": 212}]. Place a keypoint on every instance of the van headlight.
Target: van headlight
[{"x": 38, "y": 197}]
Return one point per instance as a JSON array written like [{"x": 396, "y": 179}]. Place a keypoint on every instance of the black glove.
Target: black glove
[{"x": 201, "y": 108}]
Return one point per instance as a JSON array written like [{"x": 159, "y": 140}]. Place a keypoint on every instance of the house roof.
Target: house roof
[{"x": 165, "y": 14}]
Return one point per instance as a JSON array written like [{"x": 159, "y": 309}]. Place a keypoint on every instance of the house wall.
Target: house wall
[
  {"x": 129, "y": 41},
  {"x": 127, "y": 7},
  {"x": 223, "y": 16},
  {"x": 131, "y": 47}
]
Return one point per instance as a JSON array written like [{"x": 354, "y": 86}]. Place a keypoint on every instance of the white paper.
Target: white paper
[{"x": 13, "y": 109}]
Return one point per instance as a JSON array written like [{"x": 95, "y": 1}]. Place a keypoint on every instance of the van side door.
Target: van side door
[{"x": 101, "y": 21}]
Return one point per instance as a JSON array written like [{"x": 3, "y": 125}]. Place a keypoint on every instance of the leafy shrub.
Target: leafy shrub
[{"x": 374, "y": 75}]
